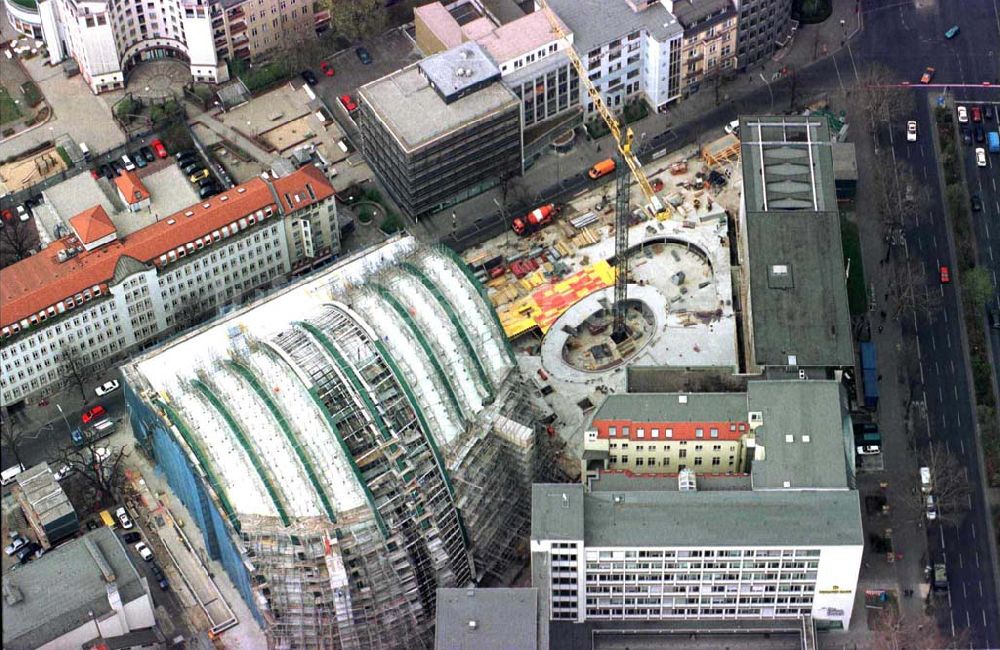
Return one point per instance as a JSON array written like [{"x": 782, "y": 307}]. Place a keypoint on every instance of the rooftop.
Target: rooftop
[
  {"x": 514, "y": 39},
  {"x": 65, "y": 588},
  {"x": 797, "y": 278},
  {"x": 674, "y": 407},
  {"x": 396, "y": 98},
  {"x": 92, "y": 225},
  {"x": 637, "y": 518},
  {"x": 131, "y": 187},
  {"x": 616, "y": 481},
  {"x": 79, "y": 193},
  {"x": 793, "y": 411},
  {"x": 597, "y": 22},
  {"x": 692, "y": 12},
  {"x": 41, "y": 281},
  {"x": 486, "y": 619},
  {"x": 461, "y": 70},
  {"x": 44, "y": 493}
]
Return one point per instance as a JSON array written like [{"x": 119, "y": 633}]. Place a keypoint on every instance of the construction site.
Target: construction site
[
  {"x": 553, "y": 289},
  {"x": 351, "y": 444}
]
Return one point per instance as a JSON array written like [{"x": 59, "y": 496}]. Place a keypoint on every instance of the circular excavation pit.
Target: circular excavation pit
[{"x": 592, "y": 345}]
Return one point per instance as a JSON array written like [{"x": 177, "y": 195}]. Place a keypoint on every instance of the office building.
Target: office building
[
  {"x": 349, "y": 445},
  {"x": 441, "y": 130},
  {"x": 782, "y": 541},
  {"x": 794, "y": 287},
  {"x": 105, "y": 294},
  {"x": 709, "y": 49},
  {"x": 85, "y": 590},
  {"x": 489, "y": 619},
  {"x": 764, "y": 26}
]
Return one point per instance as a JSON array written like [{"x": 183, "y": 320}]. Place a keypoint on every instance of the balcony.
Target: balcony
[{"x": 237, "y": 28}]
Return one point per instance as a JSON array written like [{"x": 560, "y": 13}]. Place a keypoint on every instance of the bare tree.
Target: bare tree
[
  {"x": 894, "y": 631},
  {"x": 879, "y": 96},
  {"x": 356, "y": 19},
  {"x": 74, "y": 368},
  {"x": 10, "y": 436},
  {"x": 17, "y": 238},
  {"x": 908, "y": 282},
  {"x": 949, "y": 486},
  {"x": 100, "y": 469},
  {"x": 194, "y": 311}
]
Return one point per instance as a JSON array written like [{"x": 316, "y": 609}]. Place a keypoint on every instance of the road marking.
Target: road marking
[
  {"x": 952, "y": 615},
  {"x": 984, "y": 617},
  {"x": 952, "y": 362},
  {"x": 934, "y": 342},
  {"x": 948, "y": 335},
  {"x": 940, "y": 395},
  {"x": 965, "y": 594},
  {"x": 934, "y": 239},
  {"x": 977, "y": 558},
  {"x": 973, "y": 529},
  {"x": 961, "y": 445},
  {"x": 956, "y": 399},
  {"x": 945, "y": 312},
  {"x": 947, "y": 445},
  {"x": 968, "y": 619},
  {"x": 937, "y": 368},
  {"x": 961, "y": 565},
  {"x": 958, "y": 416},
  {"x": 941, "y": 530}
]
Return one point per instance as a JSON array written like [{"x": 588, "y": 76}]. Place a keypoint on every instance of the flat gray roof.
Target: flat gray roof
[
  {"x": 598, "y": 22},
  {"x": 770, "y": 518},
  {"x": 454, "y": 71},
  {"x": 415, "y": 114},
  {"x": 618, "y": 481},
  {"x": 690, "y": 13},
  {"x": 845, "y": 162},
  {"x": 64, "y": 589},
  {"x": 44, "y": 494},
  {"x": 800, "y": 408},
  {"x": 557, "y": 511},
  {"x": 674, "y": 407},
  {"x": 76, "y": 194},
  {"x": 504, "y": 618}
]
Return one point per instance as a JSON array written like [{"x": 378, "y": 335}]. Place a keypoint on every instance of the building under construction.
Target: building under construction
[{"x": 349, "y": 445}]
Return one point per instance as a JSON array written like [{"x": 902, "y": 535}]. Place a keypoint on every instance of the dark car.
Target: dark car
[
  {"x": 209, "y": 190},
  {"x": 186, "y": 160},
  {"x": 117, "y": 167},
  {"x": 363, "y": 55},
  {"x": 191, "y": 167},
  {"x": 980, "y": 133},
  {"x": 132, "y": 538},
  {"x": 106, "y": 171},
  {"x": 309, "y": 77},
  {"x": 988, "y": 112},
  {"x": 28, "y": 551},
  {"x": 966, "y": 135},
  {"x": 994, "y": 318},
  {"x": 977, "y": 203},
  {"x": 140, "y": 161},
  {"x": 207, "y": 182},
  {"x": 148, "y": 154},
  {"x": 93, "y": 525},
  {"x": 185, "y": 153}
]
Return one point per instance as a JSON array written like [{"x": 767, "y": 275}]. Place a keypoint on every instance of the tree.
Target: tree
[
  {"x": 96, "y": 467},
  {"x": 356, "y": 19},
  {"x": 908, "y": 281},
  {"x": 977, "y": 287},
  {"x": 894, "y": 631},
  {"x": 17, "y": 238},
  {"x": 880, "y": 97},
  {"x": 75, "y": 368},
  {"x": 9, "y": 436},
  {"x": 949, "y": 486}
]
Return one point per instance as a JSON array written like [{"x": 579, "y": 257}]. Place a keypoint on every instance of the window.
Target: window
[
  {"x": 716, "y": 460},
  {"x": 699, "y": 433},
  {"x": 640, "y": 432},
  {"x": 612, "y": 432},
  {"x": 697, "y": 460},
  {"x": 714, "y": 432},
  {"x": 669, "y": 433},
  {"x": 656, "y": 433},
  {"x": 625, "y": 431},
  {"x": 682, "y": 453}
]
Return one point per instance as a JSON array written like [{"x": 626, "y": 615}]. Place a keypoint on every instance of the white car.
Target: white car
[
  {"x": 128, "y": 164},
  {"x": 931, "y": 508},
  {"x": 62, "y": 472},
  {"x": 144, "y": 551},
  {"x": 107, "y": 387},
  {"x": 22, "y": 213},
  {"x": 963, "y": 115},
  {"x": 16, "y": 545},
  {"x": 911, "y": 131},
  {"x": 123, "y": 519},
  {"x": 733, "y": 128},
  {"x": 980, "y": 156},
  {"x": 868, "y": 450},
  {"x": 101, "y": 453}
]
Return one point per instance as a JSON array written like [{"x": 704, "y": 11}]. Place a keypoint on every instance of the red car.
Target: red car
[
  {"x": 945, "y": 275},
  {"x": 348, "y": 103},
  {"x": 977, "y": 114},
  {"x": 158, "y": 147},
  {"x": 93, "y": 413},
  {"x": 327, "y": 69},
  {"x": 7, "y": 215}
]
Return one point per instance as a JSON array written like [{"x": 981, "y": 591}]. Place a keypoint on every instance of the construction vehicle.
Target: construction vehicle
[
  {"x": 624, "y": 141},
  {"x": 602, "y": 168},
  {"x": 534, "y": 220}
]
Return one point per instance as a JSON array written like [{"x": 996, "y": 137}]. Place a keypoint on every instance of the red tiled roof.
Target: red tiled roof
[
  {"x": 92, "y": 224},
  {"x": 131, "y": 187},
  {"x": 40, "y": 281}
]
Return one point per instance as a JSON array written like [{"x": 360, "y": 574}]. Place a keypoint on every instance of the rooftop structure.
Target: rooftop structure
[
  {"x": 797, "y": 294},
  {"x": 45, "y": 506},
  {"x": 487, "y": 619},
  {"x": 363, "y": 436},
  {"x": 100, "y": 593},
  {"x": 596, "y": 22}
]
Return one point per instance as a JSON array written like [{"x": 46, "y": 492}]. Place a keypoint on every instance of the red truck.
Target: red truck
[{"x": 534, "y": 220}]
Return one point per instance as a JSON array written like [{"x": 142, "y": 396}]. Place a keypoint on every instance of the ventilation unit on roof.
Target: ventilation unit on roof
[
  {"x": 682, "y": 399},
  {"x": 189, "y": 213},
  {"x": 61, "y": 256},
  {"x": 241, "y": 190},
  {"x": 223, "y": 198},
  {"x": 170, "y": 222}
]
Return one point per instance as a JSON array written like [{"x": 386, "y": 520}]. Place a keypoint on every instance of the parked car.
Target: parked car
[
  {"x": 327, "y": 69},
  {"x": 911, "y": 131},
  {"x": 16, "y": 544},
  {"x": 928, "y": 74},
  {"x": 107, "y": 387},
  {"x": 62, "y": 472},
  {"x": 93, "y": 413},
  {"x": 209, "y": 190},
  {"x": 994, "y": 314},
  {"x": 199, "y": 175},
  {"x": 144, "y": 551},
  {"x": 966, "y": 135},
  {"x": 92, "y": 525},
  {"x": 107, "y": 171},
  {"x": 977, "y": 203},
  {"x": 29, "y": 551},
  {"x": 980, "y": 157},
  {"x": 979, "y": 133},
  {"x": 132, "y": 538},
  {"x": 147, "y": 153},
  {"x": 977, "y": 114},
  {"x": 161, "y": 578},
  {"x": 363, "y": 55},
  {"x": 122, "y": 515},
  {"x": 158, "y": 147},
  {"x": 128, "y": 164},
  {"x": 309, "y": 77},
  {"x": 140, "y": 160},
  {"x": 185, "y": 154},
  {"x": 988, "y": 112},
  {"x": 945, "y": 274},
  {"x": 101, "y": 453},
  {"x": 117, "y": 167},
  {"x": 868, "y": 450},
  {"x": 348, "y": 103},
  {"x": 191, "y": 167},
  {"x": 733, "y": 128},
  {"x": 931, "y": 508},
  {"x": 22, "y": 213},
  {"x": 963, "y": 114},
  {"x": 952, "y": 32}
]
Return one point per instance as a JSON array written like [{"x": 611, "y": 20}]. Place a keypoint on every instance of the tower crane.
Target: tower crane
[{"x": 623, "y": 140}]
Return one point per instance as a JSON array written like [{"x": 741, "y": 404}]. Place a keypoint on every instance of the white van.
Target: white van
[
  {"x": 9, "y": 474},
  {"x": 925, "y": 479},
  {"x": 128, "y": 164},
  {"x": 86, "y": 151}
]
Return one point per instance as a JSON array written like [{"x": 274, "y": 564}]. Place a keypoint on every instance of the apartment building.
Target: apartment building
[
  {"x": 108, "y": 39},
  {"x": 106, "y": 295},
  {"x": 441, "y": 130},
  {"x": 764, "y": 26},
  {"x": 254, "y": 29},
  {"x": 525, "y": 49},
  {"x": 709, "y": 49},
  {"x": 782, "y": 541},
  {"x": 630, "y": 48}
]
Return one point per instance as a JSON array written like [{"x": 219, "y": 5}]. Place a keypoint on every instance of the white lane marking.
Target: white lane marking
[
  {"x": 945, "y": 312},
  {"x": 973, "y": 525},
  {"x": 952, "y": 615},
  {"x": 948, "y": 335},
  {"x": 961, "y": 445},
  {"x": 956, "y": 399},
  {"x": 952, "y": 362},
  {"x": 940, "y": 395},
  {"x": 937, "y": 368}
]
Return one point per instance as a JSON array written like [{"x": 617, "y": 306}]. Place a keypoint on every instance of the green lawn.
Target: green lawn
[
  {"x": 8, "y": 109},
  {"x": 857, "y": 295}
]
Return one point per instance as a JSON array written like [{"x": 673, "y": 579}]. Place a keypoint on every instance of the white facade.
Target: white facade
[
  {"x": 108, "y": 39},
  {"x": 24, "y": 19},
  {"x": 698, "y": 583},
  {"x": 661, "y": 70},
  {"x": 146, "y": 302}
]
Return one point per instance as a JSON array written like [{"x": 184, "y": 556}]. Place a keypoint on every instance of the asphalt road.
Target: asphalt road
[{"x": 966, "y": 60}]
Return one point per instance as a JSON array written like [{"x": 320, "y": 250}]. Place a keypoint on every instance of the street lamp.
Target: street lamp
[
  {"x": 769, "y": 91},
  {"x": 65, "y": 421}
]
